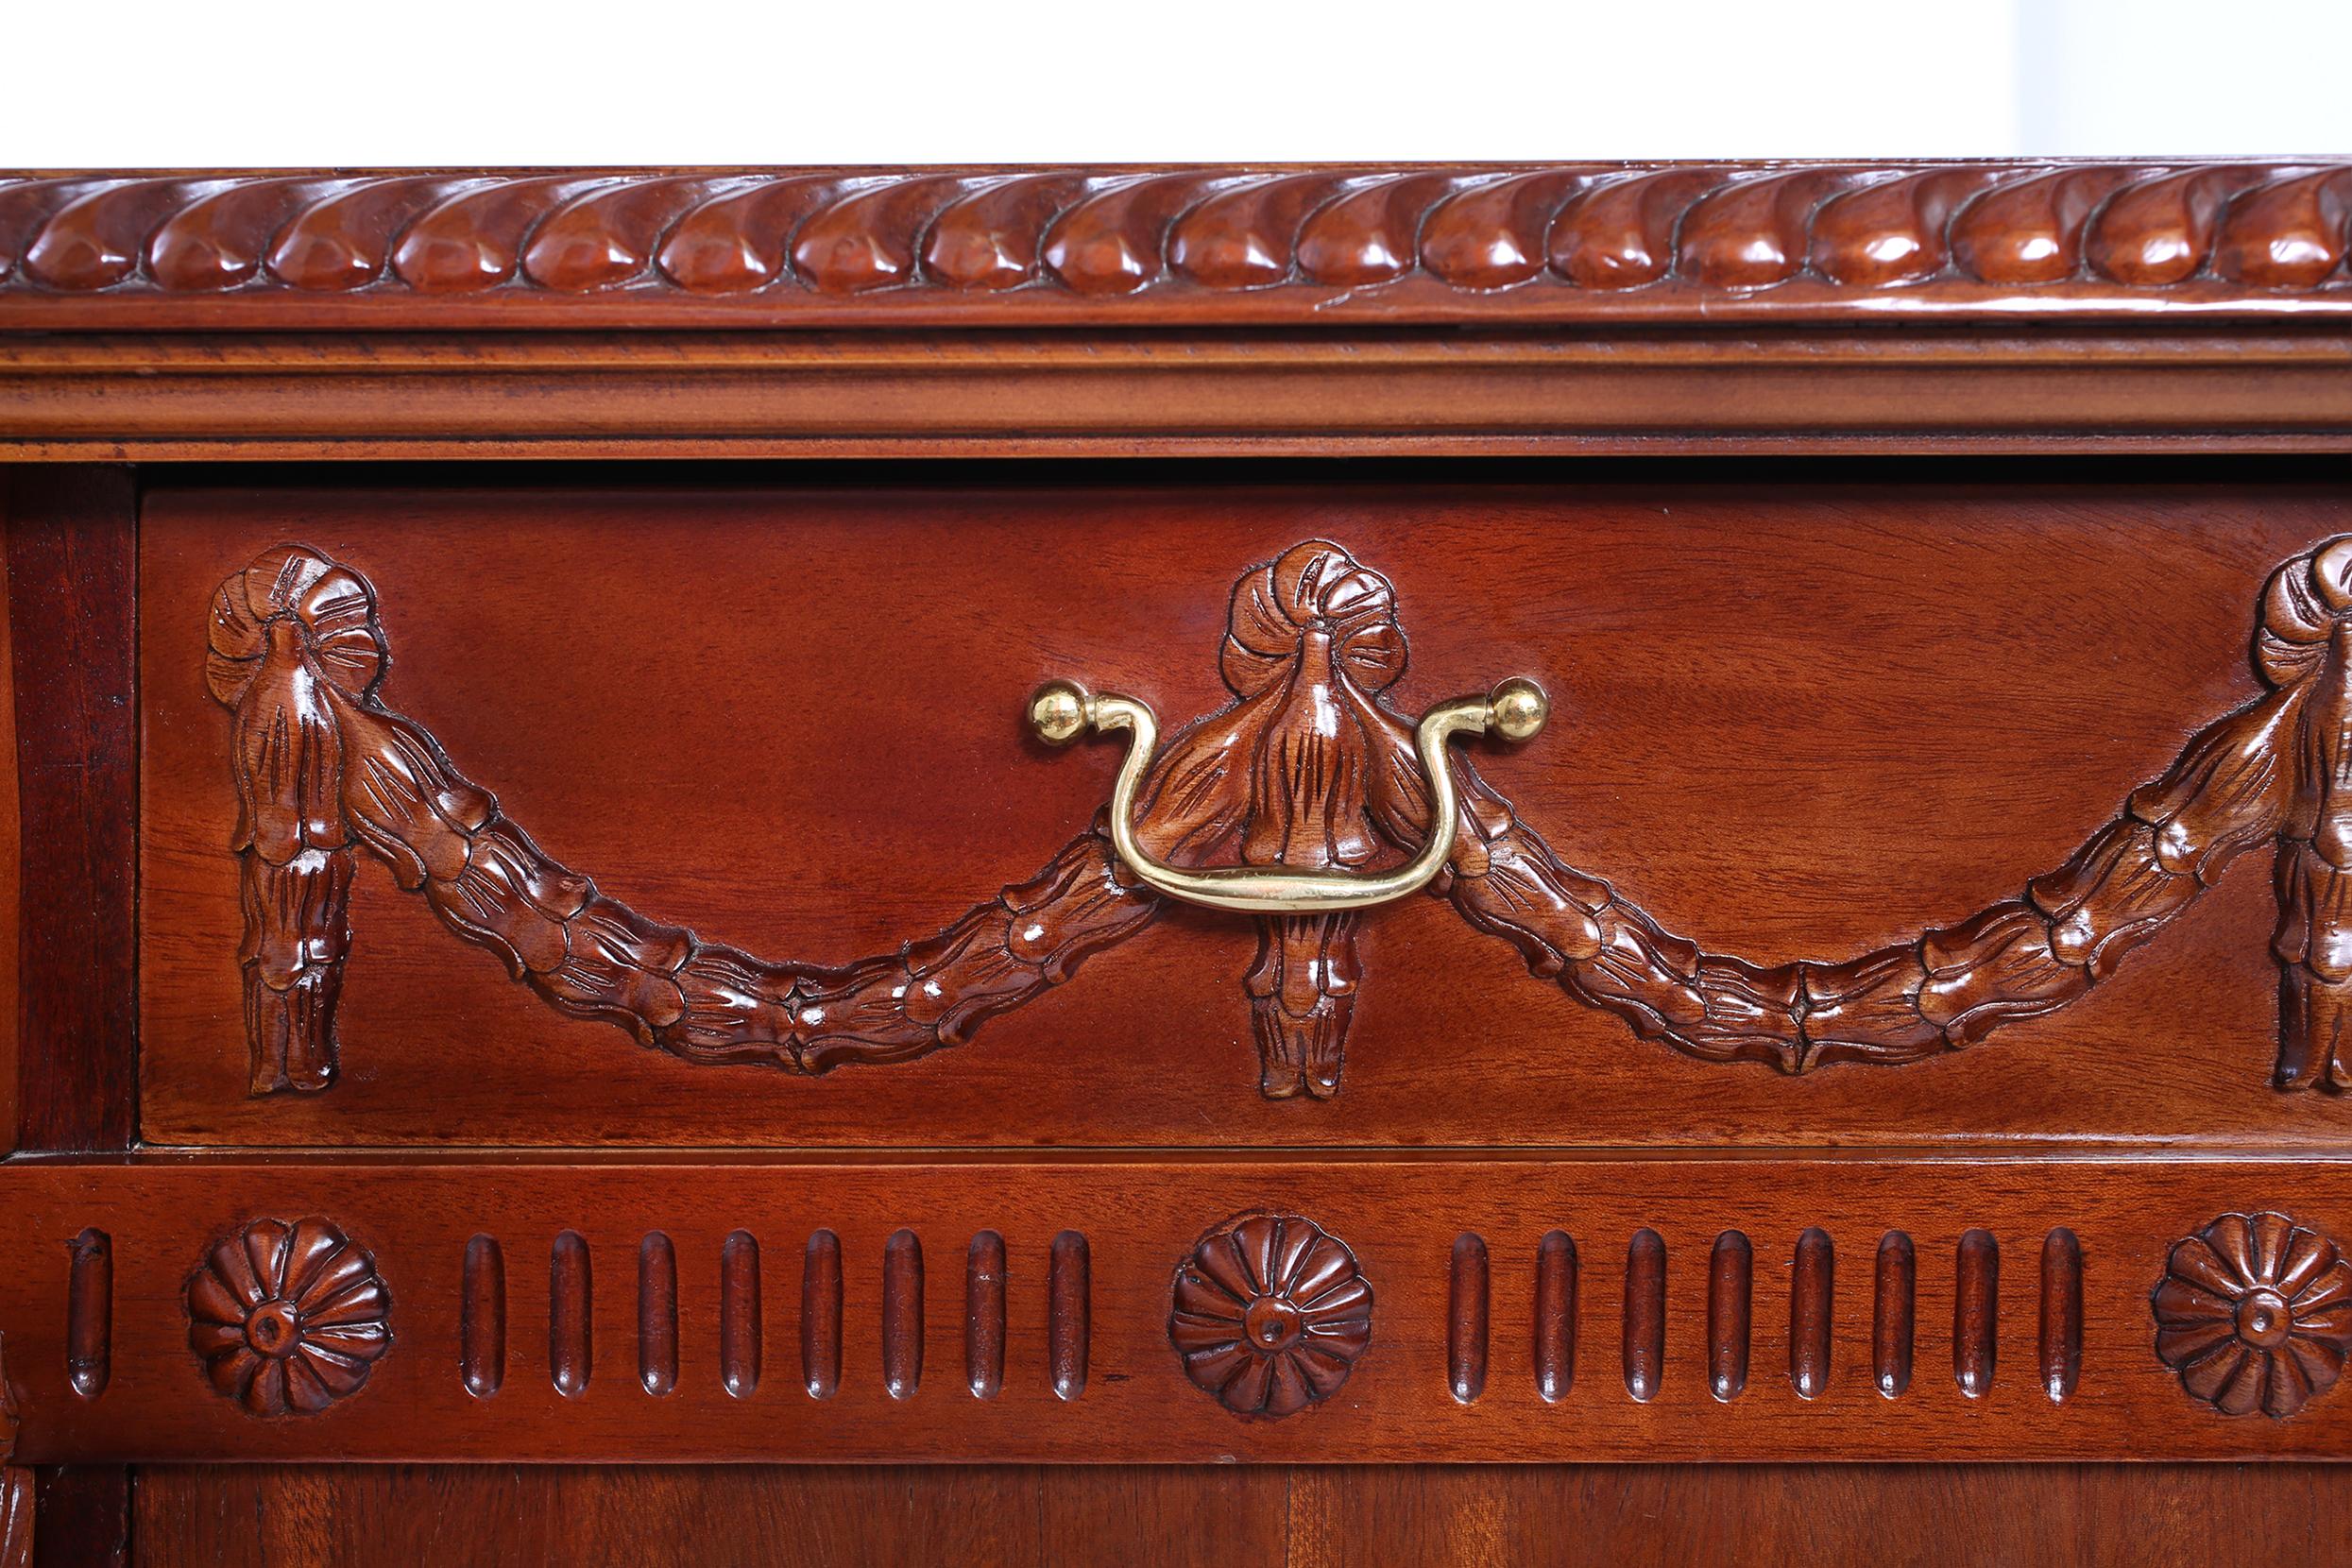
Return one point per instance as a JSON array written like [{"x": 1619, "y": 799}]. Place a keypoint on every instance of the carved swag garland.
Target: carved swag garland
[{"x": 1308, "y": 767}]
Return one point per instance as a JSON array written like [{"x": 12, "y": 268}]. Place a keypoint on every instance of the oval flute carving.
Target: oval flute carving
[
  {"x": 740, "y": 1330},
  {"x": 656, "y": 1314},
  {"x": 821, "y": 1316},
  {"x": 983, "y": 1316},
  {"x": 1466, "y": 1319},
  {"x": 1812, "y": 1290},
  {"x": 1306, "y": 769},
  {"x": 570, "y": 1316},
  {"x": 955, "y": 246},
  {"x": 902, "y": 1314},
  {"x": 1644, "y": 1345},
  {"x": 2060, "y": 1340},
  {"x": 1070, "y": 1326},
  {"x": 1731, "y": 1279},
  {"x": 1892, "y": 1303},
  {"x": 1976, "y": 1313},
  {"x": 1554, "y": 1316},
  {"x": 482, "y": 1318},
  {"x": 89, "y": 1312}
]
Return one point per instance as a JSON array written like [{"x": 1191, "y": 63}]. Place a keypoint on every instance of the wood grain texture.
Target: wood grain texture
[
  {"x": 1146, "y": 1399},
  {"x": 1468, "y": 1311},
  {"x": 11, "y": 844},
  {"x": 1607, "y": 242},
  {"x": 1852, "y": 1516},
  {"x": 1894, "y": 1323},
  {"x": 1069, "y": 1324},
  {"x": 1307, "y": 769},
  {"x": 741, "y": 1334},
  {"x": 89, "y": 1311},
  {"x": 2172, "y": 383},
  {"x": 1812, "y": 1306},
  {"x": 482, "y": 1316},
  {"x": 1731, "y": 1284},
  {"x": 2061, "y": 1341},
  {"x": 1976, "y": 1312},
  {"x": 1822, "y": 852},
  {"x": 1554, "y": 1316},
  {"x": 1642, "y": 1516},
  {"x": 983, "y": 1316},
  {"x": 71, "y": 542},
  {"x": 821, "y": 1315}
]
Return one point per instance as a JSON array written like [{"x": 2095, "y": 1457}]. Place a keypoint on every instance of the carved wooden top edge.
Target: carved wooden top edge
[{"x": 1181, "y": 246}]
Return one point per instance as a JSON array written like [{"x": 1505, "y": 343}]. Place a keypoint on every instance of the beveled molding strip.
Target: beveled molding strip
[
  {"x": 1405, "y": 243},
  {"x": 1588, "y": 1307}
]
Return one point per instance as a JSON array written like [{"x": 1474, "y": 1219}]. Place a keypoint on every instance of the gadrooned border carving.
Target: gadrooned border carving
[{"x": 1552, "y": 242}]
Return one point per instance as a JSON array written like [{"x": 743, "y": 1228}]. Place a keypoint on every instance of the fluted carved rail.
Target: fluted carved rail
[{"x": 1564, "y": 242}]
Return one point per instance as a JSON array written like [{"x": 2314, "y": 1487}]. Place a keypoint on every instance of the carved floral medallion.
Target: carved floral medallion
[
  {"x": 288, "y": 1319},
  {"x": 1307, "y": 771},
  {"x": 2255, "y": 1312},
  {"x": 1271, "y": 1314}
]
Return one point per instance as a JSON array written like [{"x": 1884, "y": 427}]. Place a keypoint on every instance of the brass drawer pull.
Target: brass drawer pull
[{"x": 1061, "y": 711}]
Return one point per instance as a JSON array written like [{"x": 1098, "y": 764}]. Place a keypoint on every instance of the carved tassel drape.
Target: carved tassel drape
[{"x": 1308, "y": 767}]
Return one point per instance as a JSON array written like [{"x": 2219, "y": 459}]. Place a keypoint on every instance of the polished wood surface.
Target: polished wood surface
[
  {"x": 1766, "y": 785},
  {"x": 71, "y": 613},
  {"x": 1839, "y": 1516},
  {"x": 1360, "y": 1309},
  {"x": 1589, "y": 242},
  {"x": 2189, "y": 383},
  {"x": 356, "y": 805}
]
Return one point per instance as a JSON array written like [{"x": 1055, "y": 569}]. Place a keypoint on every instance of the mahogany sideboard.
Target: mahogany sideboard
[{"x": 1324, "y": 865}]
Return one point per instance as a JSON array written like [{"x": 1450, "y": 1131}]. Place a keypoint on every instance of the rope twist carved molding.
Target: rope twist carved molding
[
  {"x": 1308, "y": 767},
  {"x": 1563, "y": 242}
]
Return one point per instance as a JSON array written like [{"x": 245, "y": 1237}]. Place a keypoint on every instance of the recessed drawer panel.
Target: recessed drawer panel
[{"x": 625, "y": 812}]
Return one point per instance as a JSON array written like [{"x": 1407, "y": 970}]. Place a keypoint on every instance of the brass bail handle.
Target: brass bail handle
[{"x": 1061, "y": 711}]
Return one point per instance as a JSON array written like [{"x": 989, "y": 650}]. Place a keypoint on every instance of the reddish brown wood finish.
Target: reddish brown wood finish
[
  {"x": 1156, "y": 247},
  {"x": 1804, "y": 709},
  {"x": 71, "y": 609},
  {"x": 1643, "y": 1516},
  {"x": 1307, "y": 1376},
  {"x": 1762, "y": 811},
  {"x": 2176, "y": 385}
]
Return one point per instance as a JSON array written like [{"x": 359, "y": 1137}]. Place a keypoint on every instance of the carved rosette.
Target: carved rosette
[
  {"x": 288, "y": 1319},
  {"x": 2255, "y": 1312},
  {"x": 1271, "y": 1313}
]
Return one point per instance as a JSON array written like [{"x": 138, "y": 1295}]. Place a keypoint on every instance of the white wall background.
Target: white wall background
[{"x": 169, "y": 85}]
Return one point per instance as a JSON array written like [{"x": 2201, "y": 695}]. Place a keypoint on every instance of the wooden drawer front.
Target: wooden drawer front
[
  {"x": 1123, "y": 1309},
  {"x": 1996, "y": 735}
]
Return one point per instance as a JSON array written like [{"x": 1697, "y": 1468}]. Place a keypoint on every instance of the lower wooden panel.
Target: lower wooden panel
[
  {"x": 1422, "y": 1309},
  {"x": 1882, "y": 1516}
]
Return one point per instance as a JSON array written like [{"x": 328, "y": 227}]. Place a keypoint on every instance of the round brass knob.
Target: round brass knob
[
  {"x": 1517, "y": 708},
  {"x": 1059, "y": 711}
]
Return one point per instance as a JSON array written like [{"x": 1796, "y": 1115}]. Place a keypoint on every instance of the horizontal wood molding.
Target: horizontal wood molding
[
  {"x": 1354, "y": 309},
  {"x": 1193, "y": 245},
  {"x": 1187, "y": 1309},
  {"x": 171, "y": 397}
]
